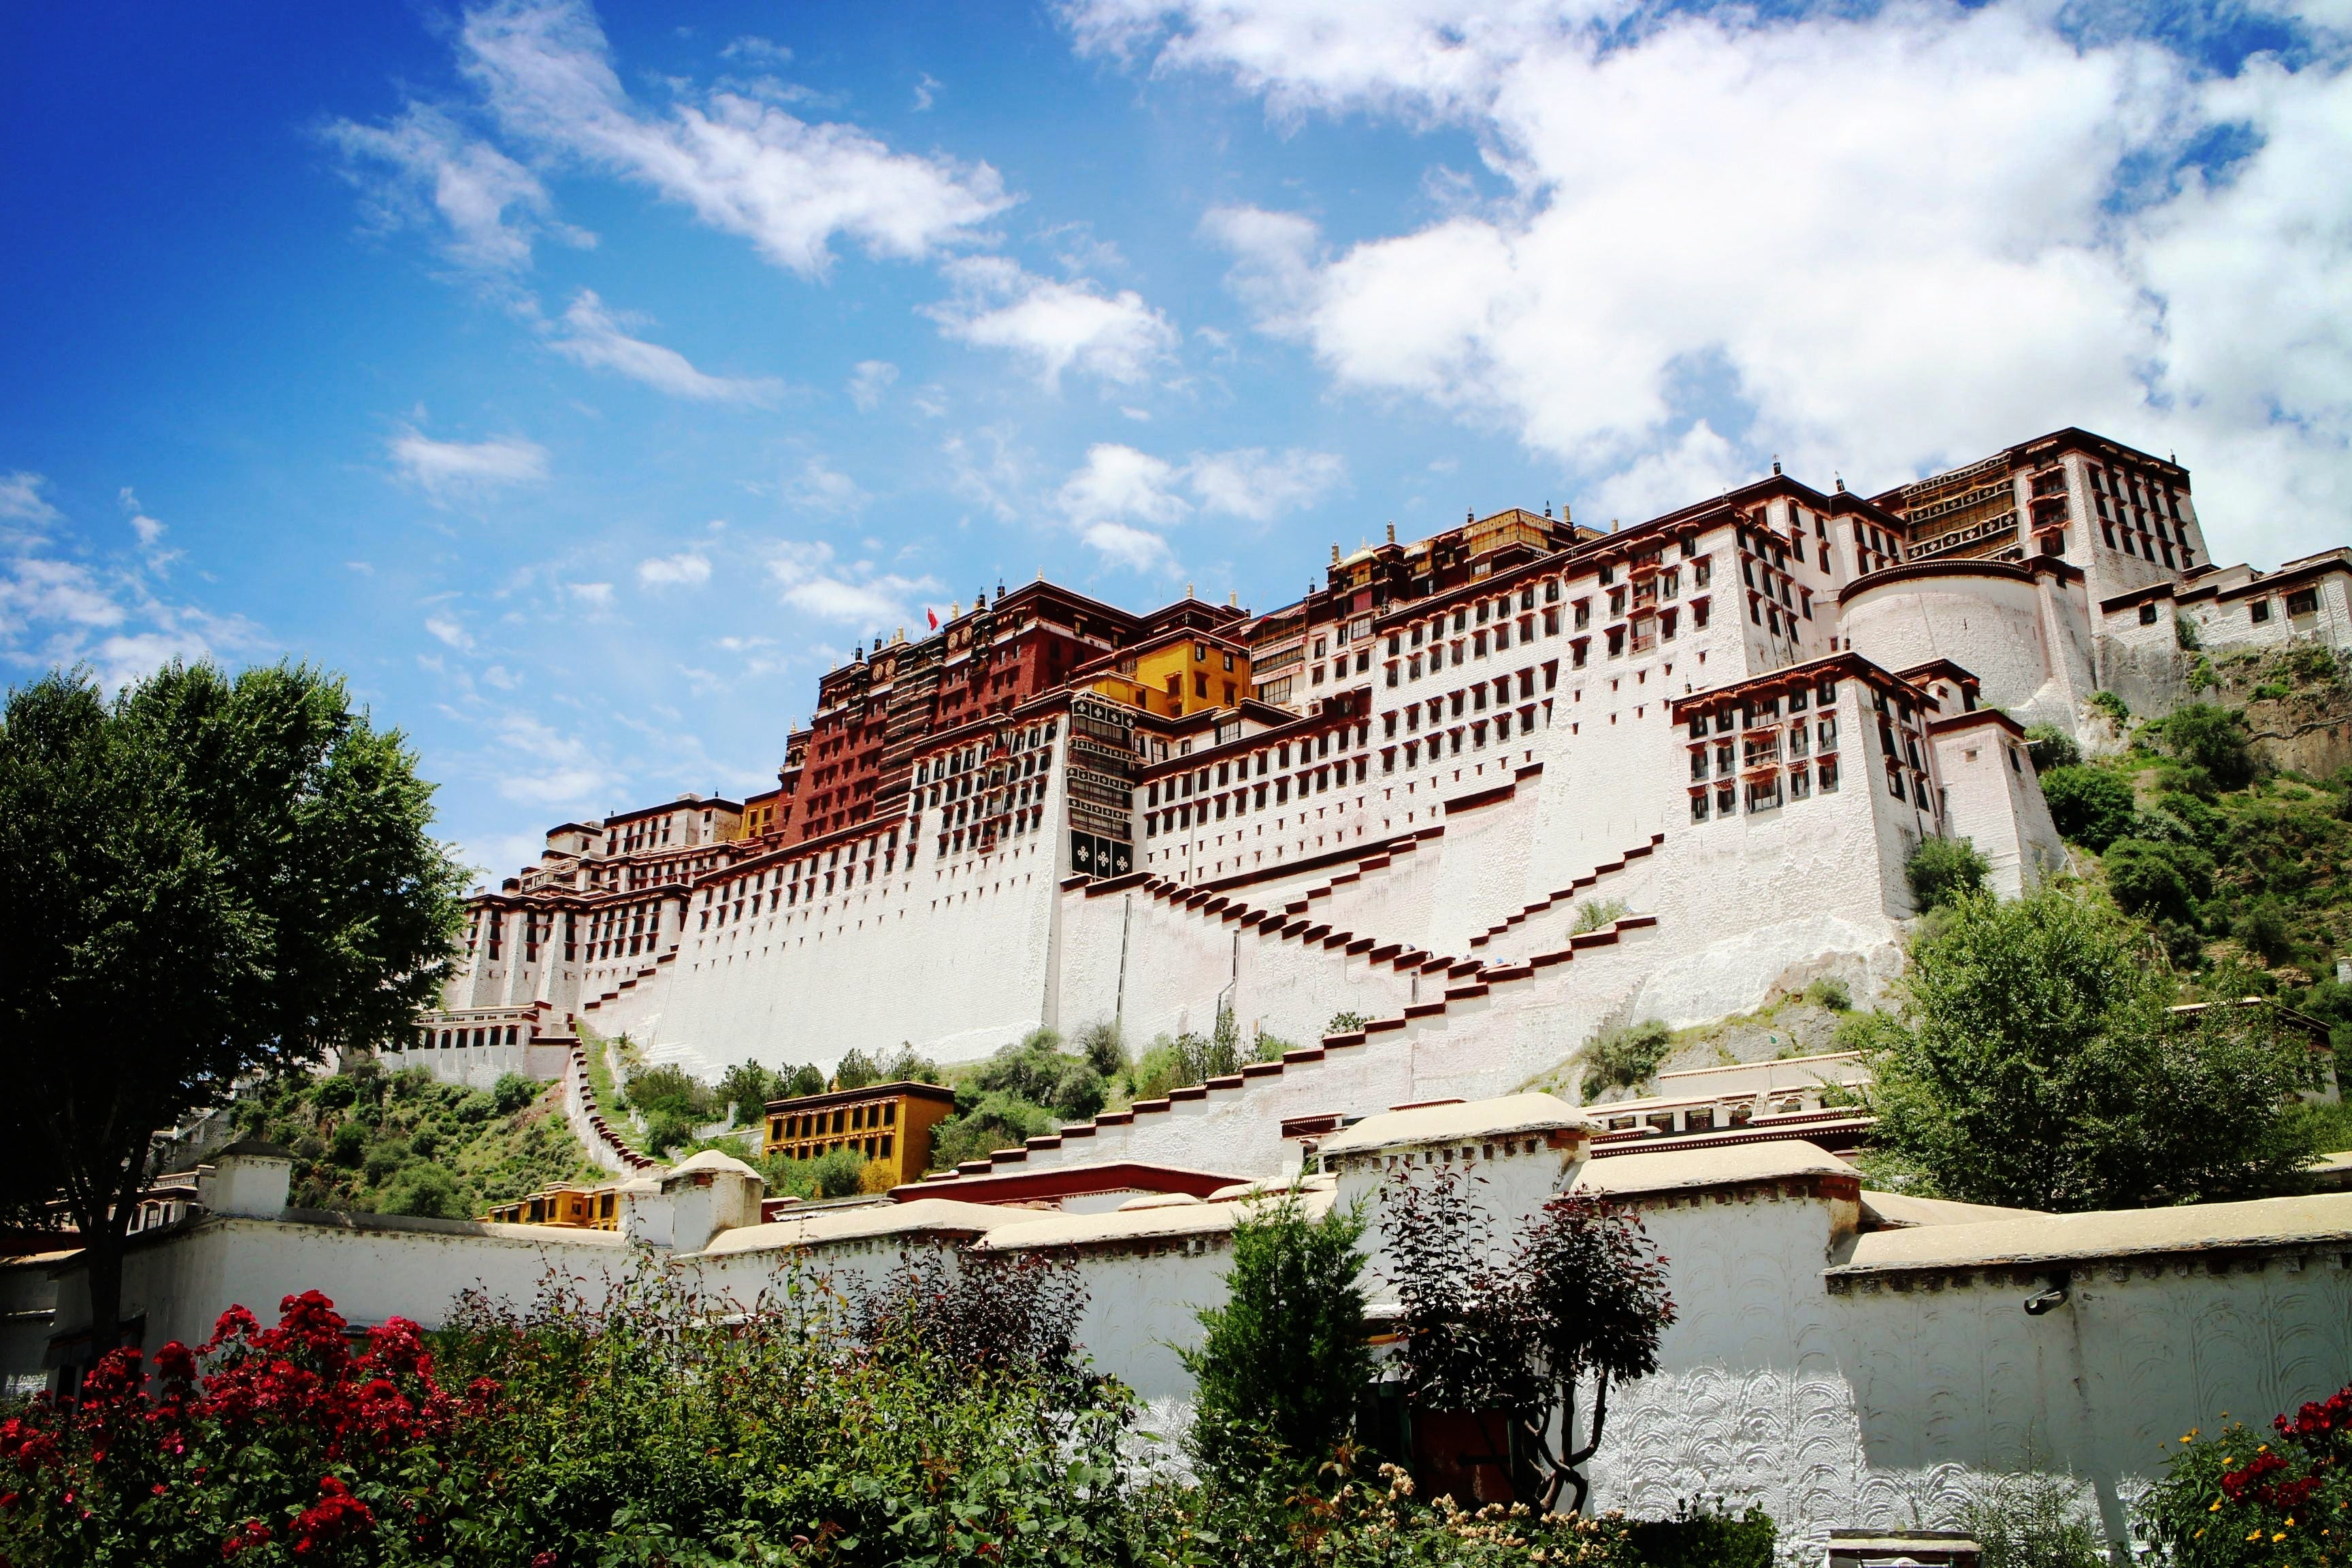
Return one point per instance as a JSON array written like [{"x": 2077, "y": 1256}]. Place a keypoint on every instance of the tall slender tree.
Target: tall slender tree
[{"x": 207, "y": 878}]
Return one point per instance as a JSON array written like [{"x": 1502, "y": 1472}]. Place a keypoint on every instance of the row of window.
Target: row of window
[
  {"x": 1242, "y": 800},
  {"x": 1180, "y": 786},
  {"x": 1766, "y": 792},
  {"x": 803, "y": 1124},
  {"x": 1469, "y": 699},
  {"x": 460, "y": 1039}
]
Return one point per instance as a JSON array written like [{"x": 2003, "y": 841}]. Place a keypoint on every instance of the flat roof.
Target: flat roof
[
  {"x": 2319, "y": 1218},
  {"x": 1513, "y": 1114},
  {"x": 907, "y": 1089},
  {"x": 865, "y": 1222},
  {"x": 1681, "y": 1169},
  {"x": 1031, "y": 1231}
]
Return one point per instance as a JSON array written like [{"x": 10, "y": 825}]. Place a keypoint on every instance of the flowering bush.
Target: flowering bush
[
  {"x": 662, "y": 1427},
  {"x": 259, "y": 1447},
  {"x": 2238, "y": 1500}
]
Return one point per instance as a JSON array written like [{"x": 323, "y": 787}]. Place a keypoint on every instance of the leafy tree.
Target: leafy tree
[
  {"x": 672, "y": 1092},
  {"x": 987, "y": 1313},
  {"x": 997, "y": 1121},
  {"x": 906, "y": 1066},
  {"x": 744, "y": 1090},
  {"x": 1582, "y": 1294},
  {"x": 1079, "y": 1093},
  {"x": 2214, "y": 739},
  {"x": 857, "y": 1071},
  {"x": 2088, "y": 804},
  {"x": 2037, "y": 1064},
  {"x": 427, "y": 1190},
  {"x": 1028, "y": 1070},
  {"x": 1104, "y": 1050},
  {"x": 209, "y": 879},
  {"x": 1943, "y": 871},
  {"x": 2050, "y": 747},
  {"x": 2265, "y": 931},
  {"x": 802, "y": 1082},
  {"x": 1284, "y": 1361},
  {"x": 512, "y": 1092},
  {"x": 1625, "y": 1056},
  {"x": 2157, "y": 880}
]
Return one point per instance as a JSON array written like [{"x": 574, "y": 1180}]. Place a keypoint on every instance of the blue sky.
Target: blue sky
[{"x": 584, "y": 381}]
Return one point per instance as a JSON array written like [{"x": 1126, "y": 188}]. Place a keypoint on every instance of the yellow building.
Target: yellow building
[
  {"x": 1176, "y": 673},
  {"x": 887, "y": 1122},
  {"x": 575, "y": 1208}
]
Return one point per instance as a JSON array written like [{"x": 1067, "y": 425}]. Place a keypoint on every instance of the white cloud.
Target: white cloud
[
  {"x": 926, "y": 88},
  {"x": 873, "y": 378},
  {"x": 999, "y": 481},
  {"x": 1884, "y": 240},
  {"x": 1137, "y": 549},
  {"x": 1119, "y": 482},
  {"x": 820, "y": 488},
  {"x": 1055, "y": 326},
  {"x": 591, "y": 335},
  {"x": 543, "y": 766},
  {"x": 21, "y": 498},
  {"x": 742, "y": 166},
  {"x": 596, "y": 595},
  {"x": 688, "y": 569},
  {"x": 448, "y": 630},
  {"x": 444, "y": 468},
  {"x": 1120, "y": 495},
  {"x": 811, "y": 580},
  {"x": 423, "y": 170},
  {"x": 61, "y": 610},
  {"x": 1261, "y": 486}
]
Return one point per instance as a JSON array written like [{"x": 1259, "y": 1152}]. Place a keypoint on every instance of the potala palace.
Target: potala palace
[
  {"x": 1399, "y": 797},
  {"x": 1489, "y": 793}
]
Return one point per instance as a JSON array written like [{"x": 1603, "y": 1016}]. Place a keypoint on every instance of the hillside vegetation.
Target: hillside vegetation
[{"x": 371, "y": 1141}]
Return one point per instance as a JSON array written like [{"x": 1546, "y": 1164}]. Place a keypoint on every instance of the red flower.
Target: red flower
[
  {"x": 244, "y": 1538},
  {"x": 335, "y": 1515}
]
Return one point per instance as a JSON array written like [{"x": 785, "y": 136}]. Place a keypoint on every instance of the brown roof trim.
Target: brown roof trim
[
  {"x": 1970, "y": 720},
  {"x": 900, "y": 1089},
  {"x": 1917, "y": 571},
  {"x": 1843, "y": 665}
]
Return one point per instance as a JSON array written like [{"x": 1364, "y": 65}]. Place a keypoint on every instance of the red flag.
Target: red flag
[{"x": 933, "y": 616}]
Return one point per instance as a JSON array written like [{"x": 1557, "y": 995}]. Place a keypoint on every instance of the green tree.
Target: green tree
[
  {"x": 424, "y": 1189},
  {"x": 2050, "y": 747},
  {"x": 1284, "y": 1362},
  {"x": 1625, "y": 1056},
  {"x": 857, "y": 1071},
  {"x": 744, "y": 1090},
  {"x": 2214, "y": 739},
  {"x": 1105, "y": 1051},
  {"x": 2157, "y": 880},
  {"x": 1944, "y": 870},
  {"x": 2088, "y": 804},
  {"x": 2036, "y": 1064},
  {"x": 209, "y": 879}
]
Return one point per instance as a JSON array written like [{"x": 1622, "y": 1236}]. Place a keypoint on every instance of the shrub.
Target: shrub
[
  {"x": 1345, "y": 1022},
  {"x": 906, "y": 1066},
  {"x": 1079, "y": 1093},
  {"x": 2238, "y": 1501},
  {"x": 426, "y": 1190},
  {"x": 1697, "y": 1539},
  {"x": 997, "y": 1121},
  {"x": 667, "y": 1091},
  {"x": 2108, "y": 703},
  {"x": 1625, "y": 1057},
  {"x": 2050, "y": 747},
  {"x": 2088, "y": 804},
  {"x": 383, "y": 1158},
  {"x": 665, "y": 1131},
  {"x": 2214, "y": 739},
  {"x": 2184, "y": 634},
  {"x": 1104, "y": 1050},
  {"x": 2033, "y": 1520},
  {"x": 1943, "y": 871},
  {"x": 855, "y": 1070},
  {"x": 2160, "y": 881},
  {"x": 836, "y": 1173},
  {"x": 512, "y": 1092},
  {"x": 2265, "y": 931},
  {"x": 349, "y": 1143},
  {"x": 1594, "y": 913},
  {"x": 1284, "y": 1358},
  {"x": 744, "y": 1090},
  {"x": 1830, "y": 992},
  {"x": 1029, "y": 1070},
  {"x": 986, "y": 1313}
]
